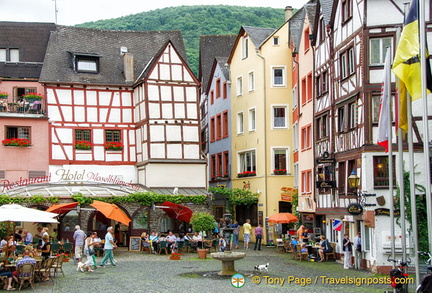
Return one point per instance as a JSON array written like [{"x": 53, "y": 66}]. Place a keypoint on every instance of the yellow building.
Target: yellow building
[{"x": 262, "y": 137}]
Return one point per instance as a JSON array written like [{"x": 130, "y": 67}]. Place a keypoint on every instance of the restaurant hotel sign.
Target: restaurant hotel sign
[{"x": 66, "y": 175}]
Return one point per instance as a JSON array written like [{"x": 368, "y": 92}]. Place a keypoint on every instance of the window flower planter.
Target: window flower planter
[
  {"x": 4, "y": 95},
  {"x": 246, "y": 174},
  {"x": 19, "y": 142},
  {"x": 33, "y": 97},
  {"x": 113, "y": 146},
  {"x": 83, "y": 145},
  {"x": 175, "y": 256},
  {"x": 279, "y": 171}
]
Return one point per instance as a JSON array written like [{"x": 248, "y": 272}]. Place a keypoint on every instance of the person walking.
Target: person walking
[
  {"x": 347, "y": 250},
  {"x": 108, "y": 247},
  {"x": 246, "y": 233},
  {"x": 79, "y": 237},
  {"x": 258, "y": 237},
  {"x": 357, "y": 251},
  {"x": 236, "y": 228}
]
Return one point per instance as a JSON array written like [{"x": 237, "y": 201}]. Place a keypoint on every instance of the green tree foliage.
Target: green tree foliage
[{"x": 194, "y": 21}]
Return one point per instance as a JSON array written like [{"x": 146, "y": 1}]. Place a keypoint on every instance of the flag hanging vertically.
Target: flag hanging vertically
[
  {"x": 406, "y": 64},
  {"x": 383, "y": 121},
  {"x": 337, "y": 225}
]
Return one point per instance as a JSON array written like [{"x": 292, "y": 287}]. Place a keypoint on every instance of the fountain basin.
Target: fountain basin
[{"x": 228, "y": 258}]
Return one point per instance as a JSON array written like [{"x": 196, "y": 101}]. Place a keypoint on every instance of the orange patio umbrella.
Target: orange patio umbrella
[
  {"x": 283, "y": 218},
  {"x": 61, "y": 208},
  {"x": 111, "y": 211}
]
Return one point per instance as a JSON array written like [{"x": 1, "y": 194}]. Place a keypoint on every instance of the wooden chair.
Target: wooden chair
[
  {"x": 26, "y": 273},
  {"x": 163, "y": 246},
  {"x": 146, "y": 247},
  {"x": 280, "y": 247},
  {"x": 58, "y": 264},
  {"x": 303, "y": 255},
  {"x": 3, "y": 281},
  {"x": 331, "y": 254},
  {"x": 296, "y": 255},
  {"x": 44, "y": 271}
]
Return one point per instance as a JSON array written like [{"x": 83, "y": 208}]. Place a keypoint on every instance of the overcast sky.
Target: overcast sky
[{"x": 72, "y": 12}]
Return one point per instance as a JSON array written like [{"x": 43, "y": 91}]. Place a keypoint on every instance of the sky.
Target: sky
[{"x": 70, "y": 12}]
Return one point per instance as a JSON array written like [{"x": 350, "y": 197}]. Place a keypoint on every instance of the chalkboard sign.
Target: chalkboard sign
[{"x": 135, "y": 244}]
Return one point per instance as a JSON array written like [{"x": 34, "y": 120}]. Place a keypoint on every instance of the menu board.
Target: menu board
[{"x": 135, "y": 243}]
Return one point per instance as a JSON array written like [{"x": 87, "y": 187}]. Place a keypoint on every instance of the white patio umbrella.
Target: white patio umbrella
[{"x": 18, "y": 213}]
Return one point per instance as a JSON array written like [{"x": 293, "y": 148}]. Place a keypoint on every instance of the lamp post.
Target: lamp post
[{"x": 353, "y": 183}]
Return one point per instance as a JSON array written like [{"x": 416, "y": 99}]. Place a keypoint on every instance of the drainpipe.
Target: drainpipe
[{"x": 265, "y": 133}]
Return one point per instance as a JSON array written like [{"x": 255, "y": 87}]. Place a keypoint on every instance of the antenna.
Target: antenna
[{"x": 55, "y": 10}]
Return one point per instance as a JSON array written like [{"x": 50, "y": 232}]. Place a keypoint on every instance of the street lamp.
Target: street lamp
[{"x": 353, "y": 180}]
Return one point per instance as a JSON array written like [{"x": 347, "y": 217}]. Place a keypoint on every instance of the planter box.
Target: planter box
[{"x": 174, "y": 257}]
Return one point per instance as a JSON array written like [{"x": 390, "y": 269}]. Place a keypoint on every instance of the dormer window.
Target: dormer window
[
  {"x": 9, "y": 55},
  {"x": 86, "y": 63}
]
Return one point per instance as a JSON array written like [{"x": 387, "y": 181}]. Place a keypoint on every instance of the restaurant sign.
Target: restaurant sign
[
  {"x": 326, "y": 184},
  {"x": 386, "y": 212},
  {"x": 287, "y": 193},
  {"x": 355, "y": 209}
]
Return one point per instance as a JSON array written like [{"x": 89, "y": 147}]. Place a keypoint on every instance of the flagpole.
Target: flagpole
[{"x": 426, "y": 151}]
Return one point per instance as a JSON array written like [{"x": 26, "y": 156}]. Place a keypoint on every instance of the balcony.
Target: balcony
[{"x": 18, "y": 107}]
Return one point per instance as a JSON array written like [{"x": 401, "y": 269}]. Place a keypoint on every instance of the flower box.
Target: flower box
[
  {"x": 4, "y": 95},
  {"x": 246, "y": 174},
  {"x": 19, "y": 142},
  {"x": 33, "y": 97},
  {"x": 83, "y": 145},
  {"x": 279, "y": 171},
  {"x": 113, "y": 146},
  {"x": 175, "y": 256}
]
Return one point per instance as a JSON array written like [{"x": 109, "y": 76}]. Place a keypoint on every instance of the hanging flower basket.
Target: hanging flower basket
[
  {"x": 83, "y": 145},
  {"x": 19, "y": 142},
  {"x": 4, "y": 95},
  {"x": 113, "y": 145},
  {"x": 33, "y": 97}
]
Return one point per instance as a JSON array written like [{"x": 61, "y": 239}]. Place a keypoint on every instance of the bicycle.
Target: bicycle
[
  {"x": 398, "y": 275},
  {"x": 426, "y": 284}
]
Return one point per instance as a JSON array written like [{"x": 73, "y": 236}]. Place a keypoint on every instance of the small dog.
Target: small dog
[
  {"x": 262, "y": 267},
  {"x": 84, "y": 266}
]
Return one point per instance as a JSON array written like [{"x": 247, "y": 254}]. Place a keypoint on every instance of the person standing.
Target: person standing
[
  {"x": 347, "y": 250},
  {"x": 79, "y": 237},
  {"x": 236, "y": 228},
  {"x": 109, "y": 246},
  {"x": 246, "y": 233},
  {"x": 357, "y": 251},
  {"x": 28, "y": 237},
  {"x": 258, "y": 237}
]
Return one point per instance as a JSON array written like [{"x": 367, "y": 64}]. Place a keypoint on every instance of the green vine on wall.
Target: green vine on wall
[
  {"x": 235, "y": 196},
  {"x": 34, "y": 199}
]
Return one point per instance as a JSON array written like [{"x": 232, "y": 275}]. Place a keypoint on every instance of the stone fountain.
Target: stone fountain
[{"x": 228, "y": 257}]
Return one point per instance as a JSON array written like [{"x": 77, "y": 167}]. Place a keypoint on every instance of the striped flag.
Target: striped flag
[
  {"x": 337, "y": 225},
  {"x": 383, "y": 122}
]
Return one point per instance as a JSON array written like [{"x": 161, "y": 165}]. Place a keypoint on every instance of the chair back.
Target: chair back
[
  {"x": 163, "y": 244},
  {"x": 55, "y": 248},
  {"x": 59, "y": 260},
  {"x": 26, "y": 271},
  {"x": 19, "y": 249},
  {"x": 180, "y": 244}
]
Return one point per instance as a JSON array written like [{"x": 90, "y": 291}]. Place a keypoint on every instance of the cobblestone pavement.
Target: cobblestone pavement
[{"x": 143, "y": 272}]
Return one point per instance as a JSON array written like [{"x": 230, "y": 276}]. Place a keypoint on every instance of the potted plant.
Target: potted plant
[
  {"x": 175, "y": 256},
  {"x": 202, "y": 222},
  {"x": 33, "y": 96},
  {"x": 4, "y": 95},
  {"x": 82, "y": 145}
]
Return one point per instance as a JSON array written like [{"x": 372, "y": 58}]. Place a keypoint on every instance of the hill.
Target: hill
[{"x": 194, "y": 21}]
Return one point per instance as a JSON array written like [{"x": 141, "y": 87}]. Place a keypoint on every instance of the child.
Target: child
[{"x": 222, "y": 244}]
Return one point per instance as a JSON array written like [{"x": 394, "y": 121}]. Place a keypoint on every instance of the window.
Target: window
[
  {"x": 252, "y": 121},
  {"x": 324, "y": 81},
  {"x": 218, "y": 88},
  {"x": 278, "y": 76},
  {"x": 322, "y": 30},
  {"x": 347, "y": 63},
  {"x": 14, "y": 55},
  {"x": 21, "y": 91},
  {"x": 112, "y": 135},
  {"x": 321, "y": 84},
  {"x": 239, "y": 86},
  {"x": 375, "y": 108},
  {"x": 378, "y": 48},
  {"x": 211, "y": 97},
  {"x": 280, "y": 159},
  {"x": 218, "y": 126},
  {"x": 381, "y": 172},
  {"x": 212, "y": 129},
  {"x": 346, "y": 10},
  {"x": 322, "y": 127},
  {"x": 17, "y": 132},
  {"x": 279, "y": 117},
  {"x": 352, "y": 115},
  {"x": 213, "y": 166},
  {"x": 306, "y": 39},
  {"x": 306, "y": 137},
  {"x": 9, "y": 55},
  {"x": 82, "y": 134},
  {"x": 244, "y": 212},
  {"x": 245, "y": 47},
  {"x": 306, "y": 181},
  {"x": 309, "y": 87},
  {"x": 275, "y": 41},
  {"x": 226, "y": 164},
  {"x": 296, "y": 175},
  {"x": 296, "y": 137},
  {"x": 240, "y": 123},
  {"x": 87, "y": 64},
  {"x": 341, "y": 119},
  {"x": 318, "y": 85},
  {"x": 224, "y": 91},
  {"x": 342, "y": 177},
  {"x": 294, "y": 96},
  {"x": 225, "y": 125},
  {"x": 2, "y": 55},
  {"x": 247, "y": 161},
  {"x": 303, "y": 91},
  {"x": 219, "y": 163},
  {"x": 251, "y": 83}
]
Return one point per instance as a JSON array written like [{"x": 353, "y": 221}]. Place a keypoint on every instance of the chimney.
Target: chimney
[
  {"x": 128, "y": 63},
  {"x": 288, "y": 13}
]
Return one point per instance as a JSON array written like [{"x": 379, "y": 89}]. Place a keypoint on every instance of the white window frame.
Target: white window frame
[
  {"x": 245, "y": 47},
  {"x": 3, "y": 55},
  {"x": 382, "y": 50},
  {"x": 273, "y": 116},
  {"x": 239, "y": 85},
  {"x": 14, "y": 55},
  {"x": 273, "y": 70},
  {"x": 252, "y": 152},
  {"x": 296, "y": 175},
  {"x": 295, "y": 96},
  {"x": 296, "y": 136},
  {"x": 287, "y": 152},
  {"x": 240, "y": 122},
  {"x": 251, "y": 81},
  {"x": 252, "y": 119}
]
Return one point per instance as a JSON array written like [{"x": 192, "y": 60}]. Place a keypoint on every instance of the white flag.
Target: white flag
[{"x": 383, "y": 122}]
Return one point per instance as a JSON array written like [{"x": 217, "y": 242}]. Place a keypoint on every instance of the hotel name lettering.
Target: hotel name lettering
[{"x": 68, "y": 175}]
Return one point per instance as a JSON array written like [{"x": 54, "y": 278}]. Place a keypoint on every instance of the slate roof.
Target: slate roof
[
  {"x": 221, "y": 62},
  {"x": 212, "y": 46},
  {"x": 258, "y": 35},
  {"x": 67, "y": 41},
  {"x": 225, "y": 70},
  {"x": 311, "y": 14},
  {"x": 31, "y": 38},
  {"x": 326, "y": 9},
  {"x": 296, "y": 23}
]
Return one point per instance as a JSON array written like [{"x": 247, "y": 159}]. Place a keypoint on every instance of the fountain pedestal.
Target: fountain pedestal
[{"x": 228, "y": 258}]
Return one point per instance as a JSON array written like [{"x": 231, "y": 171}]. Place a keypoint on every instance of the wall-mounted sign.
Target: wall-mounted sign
[
  {"x": 355, "y": 209},
  {"x": 386, "y": 212},
  {"x": 326, "y": 184},
  {"x": 381, "y": 200},
  {"x": 287, "y": 198},
  {"x": 287, "y": 193},
  {"x": 325, "y": 161}
]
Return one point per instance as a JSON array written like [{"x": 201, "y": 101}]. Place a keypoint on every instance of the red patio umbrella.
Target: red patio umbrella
[
  {"x": 283, "y": 218},
  {"x": 177, "y": 211},
  {"x": 61, "y": 208}
]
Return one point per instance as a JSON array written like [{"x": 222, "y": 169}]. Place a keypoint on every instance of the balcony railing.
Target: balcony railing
[{"x": 16, "y": 105}]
